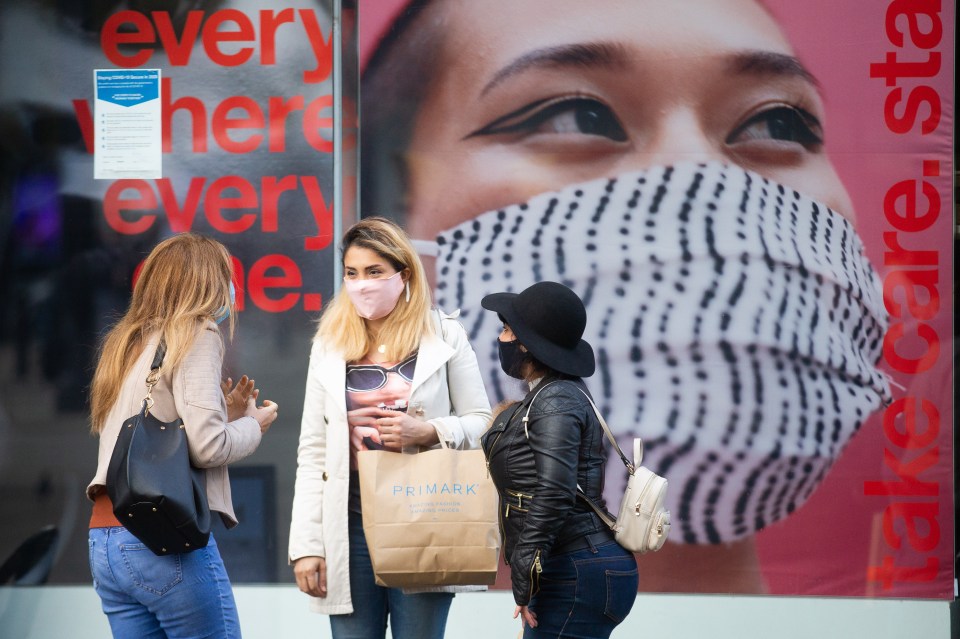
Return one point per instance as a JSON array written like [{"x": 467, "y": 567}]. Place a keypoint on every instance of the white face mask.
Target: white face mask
[{"x": 737, "y": 326}]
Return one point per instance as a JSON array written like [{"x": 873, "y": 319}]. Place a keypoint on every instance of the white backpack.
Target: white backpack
[{"x": 643, "y": 523}]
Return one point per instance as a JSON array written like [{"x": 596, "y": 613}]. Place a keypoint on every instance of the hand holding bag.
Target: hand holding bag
[
  {"x": 430, "y": 518},
  {"x": 642, "y": 523},
  {"x": 156, "y": 493}
]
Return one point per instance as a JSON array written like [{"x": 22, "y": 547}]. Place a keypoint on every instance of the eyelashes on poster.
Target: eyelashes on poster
[{"x": 737, "y": 324}]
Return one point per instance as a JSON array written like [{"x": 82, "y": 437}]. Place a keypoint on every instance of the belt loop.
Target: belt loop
[{"x": 593, "y": 547}]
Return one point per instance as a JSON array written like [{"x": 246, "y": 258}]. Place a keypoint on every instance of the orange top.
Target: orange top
[{"x": 103, "y": 516}]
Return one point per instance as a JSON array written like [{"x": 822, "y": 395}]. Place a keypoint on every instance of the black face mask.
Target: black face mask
[{"x": 511, "y": 358}]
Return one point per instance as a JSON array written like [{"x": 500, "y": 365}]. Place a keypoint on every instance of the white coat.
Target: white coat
[{"x": 448, "y": 386}]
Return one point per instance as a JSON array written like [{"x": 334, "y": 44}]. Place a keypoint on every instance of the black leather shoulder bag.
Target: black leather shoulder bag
[{"x": 156, "y": 493}]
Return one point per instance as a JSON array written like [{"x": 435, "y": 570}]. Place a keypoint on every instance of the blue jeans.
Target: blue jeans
[
  {"x": 584, "y": 594},
  {"x": 150, "y": 597},
  {"x": 412, "y": 616}
]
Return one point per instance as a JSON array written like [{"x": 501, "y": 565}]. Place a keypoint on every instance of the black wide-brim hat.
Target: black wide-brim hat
[{"x": 548, "y": 319}]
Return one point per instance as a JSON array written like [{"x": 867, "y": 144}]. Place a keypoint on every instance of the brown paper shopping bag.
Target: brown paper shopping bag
[{"x": 429, "y": 518}]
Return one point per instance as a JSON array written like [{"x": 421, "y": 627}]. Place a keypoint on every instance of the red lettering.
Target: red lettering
[
  {"x": 216, "y": 202},
  {"x": 279, "y": 110},
  {"x": 322, "y": 50},
  {"x": 910, "y": 282},
  {"x": 261, "y": 282},
  {"x": 270, "y": 192},
  {"x": 930, "y": 349},
  {"x": 115, "y": 204},
  {"x": 252, "y": 120},
  {"x": 213, "y": 37},
  {"x": 268, "y": 33},
  {"x": 322, "y": 215},
  {"x": 180, "y": 219},
  {"x": 198, "y": 118},
  {"x": 917, "y": 98},
  {"x": 893, "y": 68},
  {"x": 178, "y": 50},
  {"x": 909, "y": 437},
  {"x": 912, "y": 514},
  {"x": 896, "y": 255},
  {"x": 85, "y": 121},
  {"x": 313, "y": 124},
  {"x": 910, "y": 9},
  {"x": 239, "y": 277},
  {"x": 889, "y": 573},
  {"x": 908, "y": 221},
  {"x": 214, "y": 30},
  {"x": 909, "y": 484},
  {"x": 111, "y": 37}
]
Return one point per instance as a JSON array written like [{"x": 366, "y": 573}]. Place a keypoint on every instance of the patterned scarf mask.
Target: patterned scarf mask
[{"x": 737, "y": 326}]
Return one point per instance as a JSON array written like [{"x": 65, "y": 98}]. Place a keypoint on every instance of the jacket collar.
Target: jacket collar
[{"x": 433, "y": 353}]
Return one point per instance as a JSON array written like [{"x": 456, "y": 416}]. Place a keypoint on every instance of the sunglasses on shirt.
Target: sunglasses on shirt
[{"x": 370, "y": 377}]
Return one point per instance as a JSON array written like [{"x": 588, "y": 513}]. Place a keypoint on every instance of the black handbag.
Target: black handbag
[{"x": 156, "y": 493}]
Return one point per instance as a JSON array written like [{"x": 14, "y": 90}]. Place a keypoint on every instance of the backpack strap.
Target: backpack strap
[
  {"x": 604, "y": 516},
  {"x": 637, "y": 442}
]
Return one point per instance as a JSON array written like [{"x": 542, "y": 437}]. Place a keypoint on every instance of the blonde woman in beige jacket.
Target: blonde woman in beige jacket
[
  {"x": 385, "y": 371},
  {"x": 183, "y": 293}
]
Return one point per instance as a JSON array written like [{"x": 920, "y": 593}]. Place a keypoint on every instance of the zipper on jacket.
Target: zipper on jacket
[
  {"x": 535, "y": 570},
  {"x": 503, "y": 537},
  {"x": 492, "y": 446}
]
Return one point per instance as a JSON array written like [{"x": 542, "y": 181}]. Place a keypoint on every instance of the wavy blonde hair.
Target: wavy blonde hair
[
  {"x": 343, "y": 328},
  {"x": 184, "y": 282}
]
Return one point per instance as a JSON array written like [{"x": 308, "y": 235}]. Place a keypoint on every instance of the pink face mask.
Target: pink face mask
[{"x": 374, "y": 299}]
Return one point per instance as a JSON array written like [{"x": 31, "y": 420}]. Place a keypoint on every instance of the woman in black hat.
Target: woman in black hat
[{"x": 569, "y": 574}]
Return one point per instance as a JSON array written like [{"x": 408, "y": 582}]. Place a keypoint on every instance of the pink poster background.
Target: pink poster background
[
  {"x": 851, "y": 538},
  {"x": 839, "y": 42}
]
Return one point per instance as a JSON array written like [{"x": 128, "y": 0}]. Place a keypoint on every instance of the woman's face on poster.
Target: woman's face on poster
[{"x": 535, "y": 95}]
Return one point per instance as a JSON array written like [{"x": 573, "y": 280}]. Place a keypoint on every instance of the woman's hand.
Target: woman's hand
[
  {"x": 265, "y": 414},
  {"x": 311, "y": 574},
  {"x": 237, "y": 396},
  {"x": 399, "y": 430},
  {"x": 363, "y": 423},
  {"x": 527, "y": 616},
  {"x": 394, "y": 429}
]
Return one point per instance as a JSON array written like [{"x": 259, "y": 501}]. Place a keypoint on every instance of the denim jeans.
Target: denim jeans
[
  {"x": 150, "y": 597},
  {"x": 412, "y": 616},
  {"x": 584, "y": 594}
]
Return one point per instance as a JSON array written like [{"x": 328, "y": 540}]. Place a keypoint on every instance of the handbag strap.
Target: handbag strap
[{"x": 154, "y": 375}]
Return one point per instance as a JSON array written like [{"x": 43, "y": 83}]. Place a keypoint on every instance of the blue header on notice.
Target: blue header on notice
[{"x": 128, "y": 87}]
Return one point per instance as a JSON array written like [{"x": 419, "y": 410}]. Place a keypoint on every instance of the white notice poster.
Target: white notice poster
[{"x": 127, "y": 140}]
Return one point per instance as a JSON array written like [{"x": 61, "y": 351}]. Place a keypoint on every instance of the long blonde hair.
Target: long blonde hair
[
  {"x": 343, "y": 328},
  {"x": 185, "y": 281}
]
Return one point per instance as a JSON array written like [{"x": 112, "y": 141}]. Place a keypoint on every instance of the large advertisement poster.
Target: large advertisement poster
[
  {"x": 247, "y": 135},
  {"x": 754, "y": 199}
]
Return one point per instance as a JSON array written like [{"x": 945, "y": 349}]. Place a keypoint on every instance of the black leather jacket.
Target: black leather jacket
[{"x": 536, "y": 471}]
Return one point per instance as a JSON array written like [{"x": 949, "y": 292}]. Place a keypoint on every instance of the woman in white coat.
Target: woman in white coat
[{"x": 386, "y": 371}]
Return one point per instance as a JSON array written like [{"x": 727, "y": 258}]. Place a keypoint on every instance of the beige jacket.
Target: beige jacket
[
  {"x": 446, "y": 384},
  {"x": 191, "y": 392}
]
